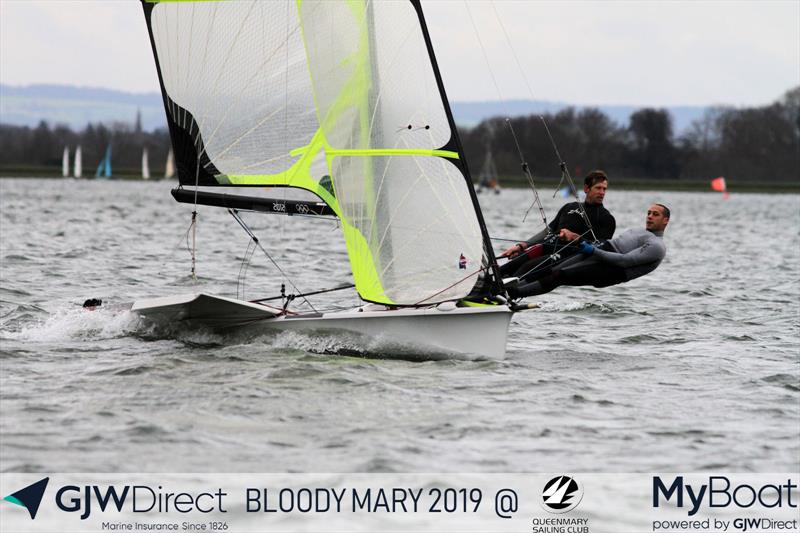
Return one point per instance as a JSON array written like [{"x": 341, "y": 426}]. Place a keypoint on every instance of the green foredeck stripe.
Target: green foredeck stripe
[{"x": 477, "y": 304}]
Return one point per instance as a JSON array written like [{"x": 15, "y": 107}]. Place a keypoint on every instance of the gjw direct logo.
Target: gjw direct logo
[
  {"x": 561, "y": 494},
  {"x": 30, "y": 497},
  {"x": 135, "y": 498}
]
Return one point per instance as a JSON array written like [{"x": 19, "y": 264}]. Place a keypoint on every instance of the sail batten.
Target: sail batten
[{"x": 341, "y": 99}]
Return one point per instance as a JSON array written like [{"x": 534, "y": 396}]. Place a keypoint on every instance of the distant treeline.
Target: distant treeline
[
  {"x": 42, "y": 146},
  {"x": 750, "y": 144}
]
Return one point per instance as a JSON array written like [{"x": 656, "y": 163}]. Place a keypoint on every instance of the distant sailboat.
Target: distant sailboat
[
  {"x": 489, "y": 179},
  {"x": 104, "y": 168},
  {"x": 78, "y": 169},
  {"x": 169, "y": 169},
  {"x": 145, "y": 165},
  {"x": 65, "y": 163}
]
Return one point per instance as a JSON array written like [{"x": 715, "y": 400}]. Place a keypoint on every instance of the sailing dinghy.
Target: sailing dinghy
[{"x": 345, "y": 100}]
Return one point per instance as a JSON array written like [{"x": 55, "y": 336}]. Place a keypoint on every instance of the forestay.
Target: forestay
[{"x": 338, "y": 98}]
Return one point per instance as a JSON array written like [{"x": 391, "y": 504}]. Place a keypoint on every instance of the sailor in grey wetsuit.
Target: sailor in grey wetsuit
[{"x": 633, "y": 254}]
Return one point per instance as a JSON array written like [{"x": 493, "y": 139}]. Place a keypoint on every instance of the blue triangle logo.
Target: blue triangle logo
[{"x": 30, "y": 497}]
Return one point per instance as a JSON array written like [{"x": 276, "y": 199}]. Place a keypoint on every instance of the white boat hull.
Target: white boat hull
[{"x": 440, "y": 331}]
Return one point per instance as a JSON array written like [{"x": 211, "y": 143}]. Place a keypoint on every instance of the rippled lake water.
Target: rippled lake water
[{"x": 694, "y": 367}]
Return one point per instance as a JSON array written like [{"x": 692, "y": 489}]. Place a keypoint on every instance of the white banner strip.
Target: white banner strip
[{"x": 533, "y": 503}]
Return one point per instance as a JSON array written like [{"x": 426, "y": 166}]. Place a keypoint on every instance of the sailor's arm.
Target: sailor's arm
[
  {"x": 522, "y": 245},
  {"x": 649, "y": 252},
  {"x": 537, "y": 237}
]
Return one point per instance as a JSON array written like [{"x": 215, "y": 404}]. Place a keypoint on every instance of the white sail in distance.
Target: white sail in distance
[
  {"x": 78, "y": 168},
  {"x": 65, "y": 163},
  {"x": 169, "y": 167},
  {"x": 145, "y": 165}
]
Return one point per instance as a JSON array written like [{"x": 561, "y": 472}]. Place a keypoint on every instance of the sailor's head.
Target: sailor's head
[
  {"x": 657, "y": 217},
  {"x": 594, "y": 185}
]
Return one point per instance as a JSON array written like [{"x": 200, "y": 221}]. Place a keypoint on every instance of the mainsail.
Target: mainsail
[{"x": 342, "y": 99}]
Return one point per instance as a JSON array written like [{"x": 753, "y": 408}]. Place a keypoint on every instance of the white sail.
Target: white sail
[
  {"x": 289, "y": 93},
  {"x": 145, "y": 165},
  {"x": 169, "y": 168},
  {"x": 65, "y": 162},
  {"x": 78, "y": 169}
]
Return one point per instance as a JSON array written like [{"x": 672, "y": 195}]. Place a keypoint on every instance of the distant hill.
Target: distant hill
[{"x": 77, "y": 106}]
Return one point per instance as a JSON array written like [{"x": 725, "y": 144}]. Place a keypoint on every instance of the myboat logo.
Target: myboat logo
[
  {"x": 30, "y": 497},
  {"x": 561, "y": 494}
]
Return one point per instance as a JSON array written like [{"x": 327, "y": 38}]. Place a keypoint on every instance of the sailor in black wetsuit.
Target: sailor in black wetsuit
[
  {"x": 569, "y": 224},
  {"x": 633, "y": 254}
]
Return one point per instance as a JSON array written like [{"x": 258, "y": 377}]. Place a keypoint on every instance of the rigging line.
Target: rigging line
[
  {"x": 526, "y": 170},
  {"x": 243, "y": 269},
  {"x": 312, "y": 293},
  {"x": 565, "y": 174},
  {"x": 252, "y": 235},
  {"x": 513, "y": 51},
  {"x": 502, "y": 239},
  {"x": 193, "y": 225},
  {"x": 184, "y": 237},
  {"x": 549, "y": 258},
  {"x": 454, "y": 284},
  {"x": 483, "y": 51}
]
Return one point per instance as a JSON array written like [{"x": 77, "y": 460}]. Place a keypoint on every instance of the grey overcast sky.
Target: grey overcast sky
[{"x": 643, "y": 53}]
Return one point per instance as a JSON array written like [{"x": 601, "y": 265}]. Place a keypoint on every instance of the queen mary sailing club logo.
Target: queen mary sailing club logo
[{"x": 561, "y": 494}]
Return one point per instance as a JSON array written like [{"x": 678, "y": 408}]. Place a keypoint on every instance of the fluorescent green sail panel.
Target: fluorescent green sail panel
[{"x": 384, "y": 124}]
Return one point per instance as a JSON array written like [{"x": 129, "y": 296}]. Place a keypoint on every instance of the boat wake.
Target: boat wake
[{"x": 77, "y": 324}]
